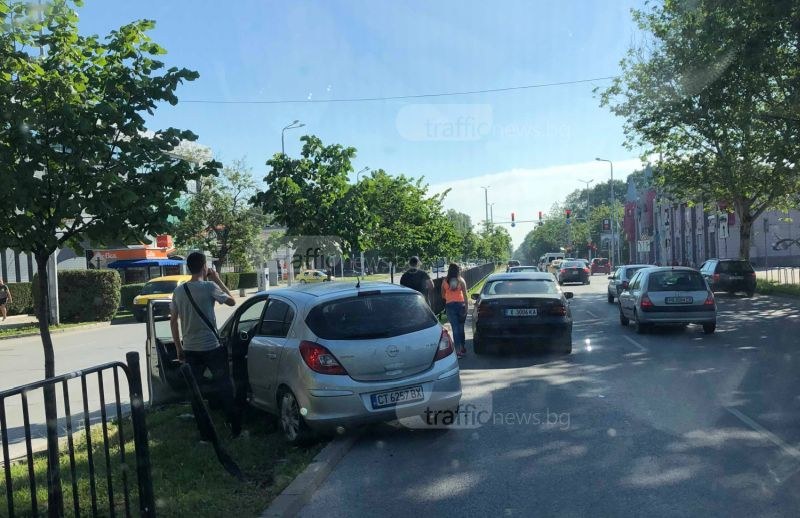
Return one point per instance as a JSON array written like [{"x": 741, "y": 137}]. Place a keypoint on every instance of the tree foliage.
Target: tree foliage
[{"x": 715, "y": 91}]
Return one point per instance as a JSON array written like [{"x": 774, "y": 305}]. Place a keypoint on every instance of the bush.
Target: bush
[
  {"x": 87, "y": 295},
  {"x": 127, "y": 293},
  {"x": 22, "y": 295},
  {"x": 248, "y": 280},
  {"x": 231, "y": 280},
  {"x": 772, "y": 288}
]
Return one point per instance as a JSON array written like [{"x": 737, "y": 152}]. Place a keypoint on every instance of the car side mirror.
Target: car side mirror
[
  {"x": 568, "y": 294},
  {"x": 244, "y": 336},
  {"x": 475, "y": 296},
  {"x": 610, "y": 278}
]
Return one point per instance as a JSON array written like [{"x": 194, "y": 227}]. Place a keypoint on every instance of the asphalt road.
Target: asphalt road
[{"x": 673, "y": 423}]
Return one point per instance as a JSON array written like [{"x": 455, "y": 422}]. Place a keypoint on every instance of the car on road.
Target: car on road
[
  {"x": 324, "y": 356},
  {"x": 522, "y": 309},
  {"x": 554, "y": 266},
  {"x": 618, "y": 281},
  {"x": 667, "y": 295},
  {"x": 573, "y": 271},
  {"x": 512, "y": 263},
  {"x": 600, "y": 265},
  {"x": 520, "y": 269},
  {"x": 730, "y": 275},
  {"x": 154, "y": 289},
  {"x": 311, "y": 276}
]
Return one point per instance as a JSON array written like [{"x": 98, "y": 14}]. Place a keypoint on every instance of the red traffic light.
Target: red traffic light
[
  {"x": 568, "y": 213},
  {"x": 512, "y": 216},
  {"x": 540, "y": 215}
]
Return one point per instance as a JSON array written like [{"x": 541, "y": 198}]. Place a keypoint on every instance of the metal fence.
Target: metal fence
[
  {"x": 115, "y": 467},
  {"x": 783, "y": 275},
  {"x": 471, "y": 277}
]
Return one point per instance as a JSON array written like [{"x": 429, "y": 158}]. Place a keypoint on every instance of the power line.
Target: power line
[{"x": 400, "y": 97}]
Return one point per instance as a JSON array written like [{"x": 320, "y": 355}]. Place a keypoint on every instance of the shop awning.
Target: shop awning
[{"x": 144, "y": 263}]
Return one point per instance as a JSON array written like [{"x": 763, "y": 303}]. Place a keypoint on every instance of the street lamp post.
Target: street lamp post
[
  {"x": 358, "y": 178},
  {"x": 587, "y": 182},
  {"x": 486, "y": 202},
  {"x": 295, "y": 124},
  {"x": 491, "y": 212},
  {"x": 614, "y": 243}
]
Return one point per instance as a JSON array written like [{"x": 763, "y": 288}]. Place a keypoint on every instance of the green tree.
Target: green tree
[
  {"x": 76, "y": 159},
  {"x": 221, "y": 219},
  {"x": 463, "y": 227},
  {"x": 714, "y": 91}
]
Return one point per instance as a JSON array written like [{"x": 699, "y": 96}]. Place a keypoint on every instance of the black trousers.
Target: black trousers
[{"x": 219, "y": 391}]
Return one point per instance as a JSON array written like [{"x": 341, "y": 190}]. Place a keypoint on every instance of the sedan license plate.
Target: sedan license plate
[
  {"x": 397, "y": 397},
  {"x": 522, "y": 312},
  {"x": 679, "y": 300}
]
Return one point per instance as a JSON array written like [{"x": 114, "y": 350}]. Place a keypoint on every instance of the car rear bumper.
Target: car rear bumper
[
  {"x": 529, "y": 334},
  {"x": 328, "y": 409},
  {"x": 687, "y": 317},
  {"x": 734, "y": 286}
]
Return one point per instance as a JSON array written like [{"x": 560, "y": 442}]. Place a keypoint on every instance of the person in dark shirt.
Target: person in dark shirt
[{"x": 417, "y": 279}]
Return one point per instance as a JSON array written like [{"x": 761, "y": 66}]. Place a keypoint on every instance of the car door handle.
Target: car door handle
[{"x": 272, "y": 356}]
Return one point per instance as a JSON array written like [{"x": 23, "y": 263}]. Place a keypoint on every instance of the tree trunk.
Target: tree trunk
[
  {"x": 745, "y": 229},
  {"x": 55, "y": 501}
]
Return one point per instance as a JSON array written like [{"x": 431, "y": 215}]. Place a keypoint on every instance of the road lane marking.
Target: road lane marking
[
  {"x": 771, "y": 437},
  {"x": 634, "y": 342},
  {"x": 592, "y": 314}
]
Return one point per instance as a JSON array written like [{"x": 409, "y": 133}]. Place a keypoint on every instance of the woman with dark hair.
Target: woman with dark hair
[{"x": 454, "y": 293}]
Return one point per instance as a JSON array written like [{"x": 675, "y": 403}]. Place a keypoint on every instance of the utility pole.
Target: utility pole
[
  {"x": 614, "y": 242},
  {"x": 486, "y": 202}
]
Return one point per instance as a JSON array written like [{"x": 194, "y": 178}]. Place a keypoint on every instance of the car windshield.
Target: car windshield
[
  {"x": 159, "y": 287},
  {"x": 676, "y": 280},
  {"x": 370, "y": 316},
  {"x": 520, "y": 287},
  {"x": 734, "y": 267}
]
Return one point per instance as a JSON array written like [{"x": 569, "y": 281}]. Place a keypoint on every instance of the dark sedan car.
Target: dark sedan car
[
  {"x": 619, "y": 280},
  {"x": 731, "y": 275},
  {"x": 521, "y": 309},
  {"x": 573, "y": 271}
]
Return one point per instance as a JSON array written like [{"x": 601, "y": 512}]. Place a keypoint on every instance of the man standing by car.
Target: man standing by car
[
  {"x": 417, "y": 279},
  {"x": 193, "y": 306}
]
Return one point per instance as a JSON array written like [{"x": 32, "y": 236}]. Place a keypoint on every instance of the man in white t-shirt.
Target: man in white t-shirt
[{"x": 194, "y": 324}]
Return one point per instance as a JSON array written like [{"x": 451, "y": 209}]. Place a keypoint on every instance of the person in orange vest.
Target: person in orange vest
[{"x": 454, "y": 293}]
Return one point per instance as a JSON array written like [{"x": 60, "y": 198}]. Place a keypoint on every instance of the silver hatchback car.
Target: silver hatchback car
[
  {"x": 335, "y": 355},
  {"x": 668, "y": 295}
]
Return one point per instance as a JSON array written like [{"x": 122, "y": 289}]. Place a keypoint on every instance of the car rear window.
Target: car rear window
[
  {"x": 734, "y": 267},
  {"x": 371, "y": 316},
  {"x": 630, "y": 271},
  {"x": 680, "y": 280},
  {"x": 518, "y": 269},
  {"x": 520, "y": 287},
  {"x": 573, "y": 264},
  {"x": 159, "y": 287},
  {"x": 601, "y": 262}
]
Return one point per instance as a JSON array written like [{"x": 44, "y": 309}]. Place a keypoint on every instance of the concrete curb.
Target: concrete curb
[{"x": 299, "y": 492}]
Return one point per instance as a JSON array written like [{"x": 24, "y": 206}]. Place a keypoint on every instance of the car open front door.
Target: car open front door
[{"x": 164, "y": 381}]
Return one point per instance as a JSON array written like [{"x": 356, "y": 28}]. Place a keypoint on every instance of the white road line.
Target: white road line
[
  {"x": 771, "y": 437},
  {"x": 634, "y": 342},
  {"x": 592, "y": 314}
]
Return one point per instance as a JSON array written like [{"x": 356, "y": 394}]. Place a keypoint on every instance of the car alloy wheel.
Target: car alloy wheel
[
  {"x": 640, "y": 328},
  {"x": 623, "y": 320},
  {"x": 294, "y": 428}
]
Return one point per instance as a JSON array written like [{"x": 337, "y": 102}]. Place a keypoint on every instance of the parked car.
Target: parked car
[
  {"x": 520, "y": 269},
  {"x": 310, "y": 276},
  {"x": 730, "y": 275},
  {"x": 160, "y": 288},
  {"x": 520, "y": 309},
  {"x": 668, "y": 295},
  {"x": 573, "y": 271},
  {"x": 323, "y": 356},
  {"x": 601, "y": 265},
  {"x": 618, "y": 281}
]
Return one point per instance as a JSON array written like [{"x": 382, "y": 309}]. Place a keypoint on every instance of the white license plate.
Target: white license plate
[
  {"x": 679, "y": 300},
  {"x": 736, "y": 277},
  {"x": 522, "y": 312},
  {"x": 397, "y": 397}
]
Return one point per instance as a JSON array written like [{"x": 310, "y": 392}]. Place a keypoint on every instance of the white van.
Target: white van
[{"x": 548, "y": 258}]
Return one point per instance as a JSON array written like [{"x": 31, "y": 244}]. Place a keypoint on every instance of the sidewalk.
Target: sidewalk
[{"x": 13, "y": 321}]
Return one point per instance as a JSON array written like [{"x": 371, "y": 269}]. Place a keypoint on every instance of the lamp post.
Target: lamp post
[
  {"x": 358, "y": 178},
  {"x": 491, "y": 212},
  {"x": 614, "y": 243},
  {"x": 295, "y": 124},
  {"x": 486, "y": 202}
]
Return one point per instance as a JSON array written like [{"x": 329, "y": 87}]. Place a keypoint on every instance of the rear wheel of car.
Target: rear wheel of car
[
  {"x": 610, "y": 298},
  {"x": 478, "y": 346},
  {"x": 623, "y": 320},
  {"x": 750, "y": 294},
  {"x": 138, "y": 316},
  {"x": 294, "y": 428},
  {"x": 302, "y": 281},
  {"x": 564, "y": 346},
  {"x": 640, "y": 328},
  {"x": 709, "y": 328}
]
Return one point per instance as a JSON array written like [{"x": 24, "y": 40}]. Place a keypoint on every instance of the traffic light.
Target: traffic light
[
  {"x": 513, "y": 224},
  {"x": 568, "y": 214},
  {"x": 540, "y": 218}
]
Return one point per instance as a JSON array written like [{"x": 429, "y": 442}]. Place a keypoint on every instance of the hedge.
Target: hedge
[
  {"x": 231, "y": 280},
  {"x": 87, "y": 295},
  {"x": 22, "y": 295},
  {"x": 248, "y": 280},
  {"x": 773, "y": 288},
  {"x": 127, "y": 293}
]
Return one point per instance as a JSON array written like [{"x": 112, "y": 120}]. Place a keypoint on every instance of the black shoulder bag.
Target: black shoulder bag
[{"x": 200, "y": 313}]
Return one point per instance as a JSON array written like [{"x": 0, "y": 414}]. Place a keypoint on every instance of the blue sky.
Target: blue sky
[{"x": 529, "y": 145}]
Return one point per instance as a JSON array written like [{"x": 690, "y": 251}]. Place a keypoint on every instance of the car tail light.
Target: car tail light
[
  {"x": 716, "y": 277},
  {"x": 751, "y": 274},
  {"x": 445, "y": 348},
  {"x": 646, "y": 303},
  {"x": 558, "y": 310},
  {"x": 484, "y": 310},
  {"x": 709, "y": 300},
  {"x": 586, "y": 270},
  {"x": 563, "y": 270},
  {"x": 319, "y": 359}
]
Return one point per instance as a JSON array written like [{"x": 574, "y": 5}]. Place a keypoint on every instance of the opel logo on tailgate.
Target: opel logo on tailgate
[{"x": 392, "y": 351}]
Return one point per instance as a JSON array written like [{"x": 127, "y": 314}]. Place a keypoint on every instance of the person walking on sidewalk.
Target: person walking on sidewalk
[
  {"x": 417, "y": 279},
  {"x": 454, "y": 293},
  {"x": 5, "y": 298},
  {"x": 192, "y": 307}
]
